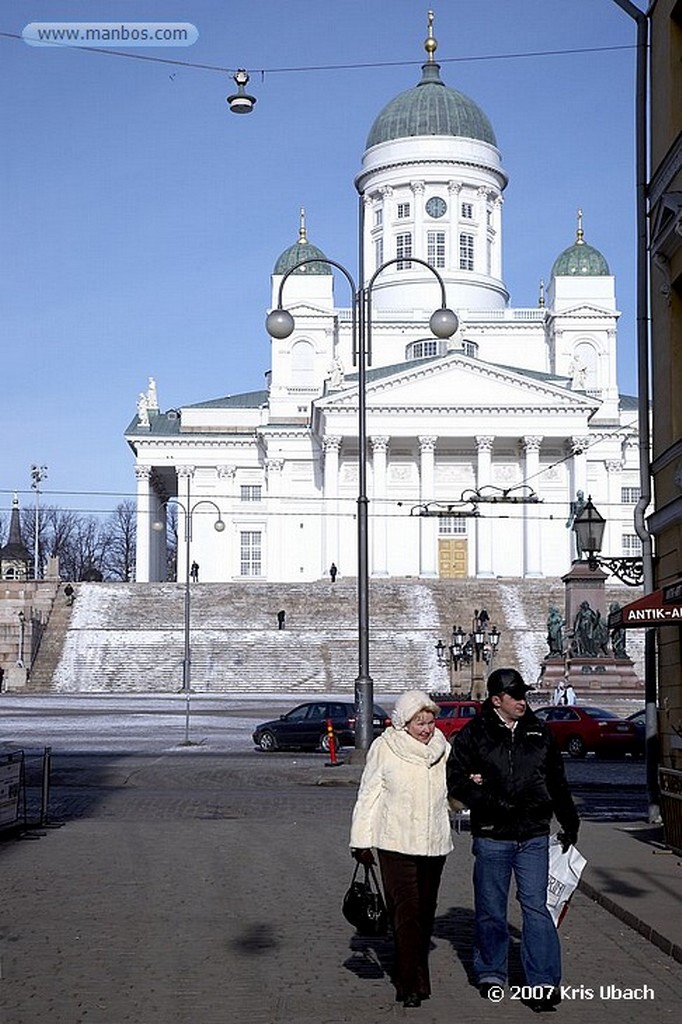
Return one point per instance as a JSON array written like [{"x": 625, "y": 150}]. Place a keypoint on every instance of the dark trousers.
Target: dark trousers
[{"x": 411, "y": 891}]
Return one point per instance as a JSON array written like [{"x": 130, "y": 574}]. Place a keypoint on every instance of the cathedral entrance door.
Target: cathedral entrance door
[{"x": 453, "y": 561}]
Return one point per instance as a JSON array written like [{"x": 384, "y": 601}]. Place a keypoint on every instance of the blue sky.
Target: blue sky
[{"x": 140, "y": 219}]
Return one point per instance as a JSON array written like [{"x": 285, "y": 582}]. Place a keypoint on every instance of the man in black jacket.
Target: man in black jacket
[{"x": 507, "y": 769}]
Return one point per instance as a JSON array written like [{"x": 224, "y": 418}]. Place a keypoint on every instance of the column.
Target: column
[
  {"x": 419, "y": 241},
  {"x": 484, "y": 526},
  {"x": 613, "y": 542},
  {"x": 452, "y": 258},
  {"x": 428, "y": 527},
  {"x": 225, "y": 498},
  {"x": 379, "y": 566},
  {"x": 532, "y": 528},
  {"x": 273, "y": 536},
  {"x": 331, "y": 447},
  {"x": 144, "y": 524}
]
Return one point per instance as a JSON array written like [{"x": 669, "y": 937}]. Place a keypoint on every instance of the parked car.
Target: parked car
[
  {"x": 454, "y": 714},
  {"x": 638, "y": 719},
  {"x": 305, "y": 726},
  {"x": 578, "y": 730}
]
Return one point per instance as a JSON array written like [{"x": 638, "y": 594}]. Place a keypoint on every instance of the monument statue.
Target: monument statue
[
  {"x": 576, "y": 507},
  {"x": 555, "y": 632},
  {"x": 585, "y": 640},
  {"x": 617, "y": 635}
]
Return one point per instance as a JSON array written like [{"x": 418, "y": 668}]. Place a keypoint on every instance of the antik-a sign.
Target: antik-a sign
[{"x": 661, "y": 608}]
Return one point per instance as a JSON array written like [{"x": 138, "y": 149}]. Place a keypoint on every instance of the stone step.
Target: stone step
[{"x": 125, "y": 637}]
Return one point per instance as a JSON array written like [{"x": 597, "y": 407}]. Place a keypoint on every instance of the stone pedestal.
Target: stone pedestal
[
  {"x": 592, "y": 677},
  {"x": 16, "y": 677}
]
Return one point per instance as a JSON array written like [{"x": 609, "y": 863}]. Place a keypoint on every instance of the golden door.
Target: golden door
[{"x": 453, "y": 562}]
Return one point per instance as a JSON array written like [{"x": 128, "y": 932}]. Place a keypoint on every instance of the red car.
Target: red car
[
  {"x": 454, "y": 714},
  {"x": 578, "y": 730}
]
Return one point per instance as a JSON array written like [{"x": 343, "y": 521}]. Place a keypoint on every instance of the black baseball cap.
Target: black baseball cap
[{"x": 507, "y": 680}]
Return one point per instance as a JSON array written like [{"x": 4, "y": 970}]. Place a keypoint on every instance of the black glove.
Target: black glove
[
  {"x": 364, "y": 856},
  {"x": 567, "y": 838}
]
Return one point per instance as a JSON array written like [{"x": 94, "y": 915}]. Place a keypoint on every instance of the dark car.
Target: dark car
[
  {"x": 305, "y": 727},
  {"x": 578, "y": 730},
  {"x": 454, "y": 714},
  {"x": 638, "y": 719}
]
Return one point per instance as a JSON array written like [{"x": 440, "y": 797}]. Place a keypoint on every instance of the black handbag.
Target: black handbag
[{"x": 363, "y": 905}]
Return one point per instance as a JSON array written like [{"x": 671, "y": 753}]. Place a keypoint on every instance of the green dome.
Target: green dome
[
  {"x": 580, "y": 260},
  {"x": 302, "y": 250},
  {"x": 431, "y": 108}
]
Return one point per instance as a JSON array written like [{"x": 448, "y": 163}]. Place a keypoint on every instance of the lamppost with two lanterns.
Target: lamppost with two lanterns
[{"x": 280, "y": 325}]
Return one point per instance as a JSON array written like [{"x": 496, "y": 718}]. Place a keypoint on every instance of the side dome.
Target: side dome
[
  {"x": 580, "y": 259},
  {"x": 302, "y": 250},
  {"x": 431, "y": 108}
]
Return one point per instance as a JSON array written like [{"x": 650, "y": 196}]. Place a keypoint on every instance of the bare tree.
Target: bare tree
[{"x": 122, "y": 537}]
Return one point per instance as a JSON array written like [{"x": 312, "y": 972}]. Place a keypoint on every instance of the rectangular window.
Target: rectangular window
[
  {"x": 403, "y": 251},
  {"x": 403, "y": 211},
  {"x": 251, "y": 563},
  {"x": 251, "y": 492},
  {"x": 630, "y": 495},
  {"x": 378, "y": 253},
  {"x": 449, "y": 525},
  {"x": 466, "y": 252},
  {"x": 378, "y": 217},
  {"x": 435, "y": 248},
  {"x": 632, "y": 545},
  {"x": 467, "y": 211}
]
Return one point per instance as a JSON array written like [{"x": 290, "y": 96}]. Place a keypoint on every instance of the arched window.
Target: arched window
[{"x": 302, "y": 365}]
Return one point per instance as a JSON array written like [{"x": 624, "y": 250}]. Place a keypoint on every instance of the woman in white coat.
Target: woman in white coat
[{"x": 402, "y": 811}]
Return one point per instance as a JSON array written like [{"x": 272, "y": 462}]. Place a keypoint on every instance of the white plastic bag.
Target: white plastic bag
[{"x": 565, "y": 870}]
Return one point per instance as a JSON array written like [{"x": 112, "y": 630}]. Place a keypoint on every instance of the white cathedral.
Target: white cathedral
[{"x": 463, "y": 435}]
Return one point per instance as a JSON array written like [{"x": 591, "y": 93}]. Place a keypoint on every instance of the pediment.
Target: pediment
[
  {"x": 582, "y": 311},
  {"x": 459, "y": 382}
]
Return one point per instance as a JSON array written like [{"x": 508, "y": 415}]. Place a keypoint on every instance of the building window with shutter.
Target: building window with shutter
[
  {"x": 403, "y": 251},
  {"x": 251, "y": 560},
  {"x": 466, "y": 252},
  {"x": 435, "y": 248}
]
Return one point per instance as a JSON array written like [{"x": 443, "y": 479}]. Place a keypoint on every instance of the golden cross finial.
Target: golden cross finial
[
  {"x": 302, "y": 237},
  {"x": 579, "y": 237},
  {"x": 430, "y": 43}
]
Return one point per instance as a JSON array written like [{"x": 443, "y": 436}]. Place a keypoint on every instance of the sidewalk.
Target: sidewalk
[
  {"x": 206, "y": 889},
  {"x": 630, "y": 872}
]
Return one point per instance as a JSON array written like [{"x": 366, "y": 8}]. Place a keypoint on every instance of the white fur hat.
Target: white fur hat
[{"x": 409, "y": 704}]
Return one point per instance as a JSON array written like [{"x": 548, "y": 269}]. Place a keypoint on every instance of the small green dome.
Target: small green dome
[
  {"x": 302, "y": 250},
  {"x": 431, "y": 108},
  {"x": 580, "y": 259}
]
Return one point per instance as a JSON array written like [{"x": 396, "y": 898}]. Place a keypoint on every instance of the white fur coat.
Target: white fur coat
[{"x": 402, "y": 801}]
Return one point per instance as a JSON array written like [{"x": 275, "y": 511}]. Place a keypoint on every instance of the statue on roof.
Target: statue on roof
[
  {"x": 142, "y": 410},
  {"x": 336, "y": 374},
  {"x": 152, "y": 399}
]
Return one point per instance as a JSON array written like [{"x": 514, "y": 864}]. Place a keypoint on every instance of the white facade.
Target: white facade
[{"x": 517, "y": 397}]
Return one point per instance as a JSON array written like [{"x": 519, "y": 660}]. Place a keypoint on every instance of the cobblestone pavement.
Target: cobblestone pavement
[{"x": 199, "y": 888}]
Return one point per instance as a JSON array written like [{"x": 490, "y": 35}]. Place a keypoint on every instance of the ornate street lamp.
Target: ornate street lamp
[
  {"x": 219, "y": 525},
  {"x": 589, "y": 526},
  {"x": 280, "y": 324}
]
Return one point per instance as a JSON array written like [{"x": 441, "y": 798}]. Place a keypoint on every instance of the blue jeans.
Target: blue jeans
[{"x": 495, "y": 859}]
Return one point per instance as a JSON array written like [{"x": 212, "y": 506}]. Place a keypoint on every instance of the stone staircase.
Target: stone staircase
[{"x": 121, "y": 637}]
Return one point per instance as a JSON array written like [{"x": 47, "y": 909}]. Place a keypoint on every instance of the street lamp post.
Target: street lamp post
[
  {"x": 38, "y": 474},
  {"x": 480, "y": 643},
  {"x": 22, "y": 635},
  {"x": 589, "y": 526},
  {"x": 280, "y": 325},
  {"x": 219, "y": 525}
]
